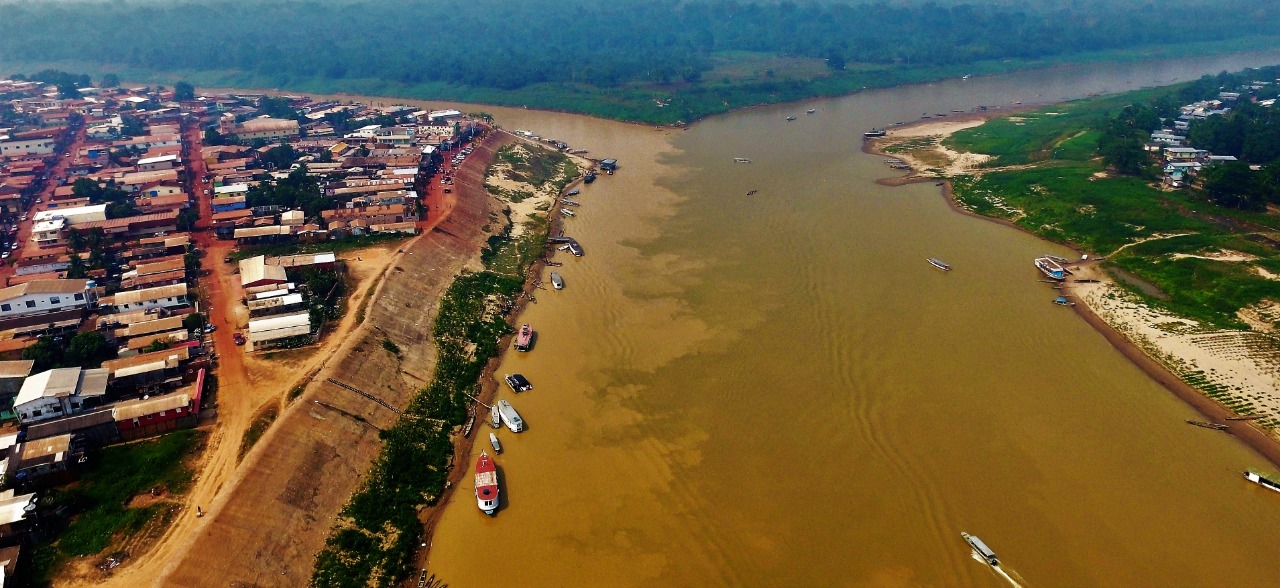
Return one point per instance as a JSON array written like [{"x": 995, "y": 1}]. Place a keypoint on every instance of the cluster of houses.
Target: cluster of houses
[
  {"x": 1182, "y": 162},
  {"x": 279, "y": 311}
]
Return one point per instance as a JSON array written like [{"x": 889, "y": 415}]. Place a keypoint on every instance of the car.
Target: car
[
  {"x": 39, "y": 200},
  {"x": 210, "y": 328},
  {"x": 238, "y": 338},
  {"x": 13, "y": 247},
  {"x": 4, "y": 255},
  {"x": 448, "y": 190},
  {"x": 226, "y": 259}
]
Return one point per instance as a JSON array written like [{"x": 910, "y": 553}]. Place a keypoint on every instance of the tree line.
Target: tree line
[{"x": 508, "y": 45}]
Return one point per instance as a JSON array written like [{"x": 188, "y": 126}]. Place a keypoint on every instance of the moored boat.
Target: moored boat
[
  {"x": 810, "y": 111},
  {"x": 1261, "y": 480},
  {"x": 741, "y": 160},
  {"x": 573, "y": 192},
  {"x": 791, "y": 118},
  {"x": 493, "y": 440},
  {"x": 557, "y": 282},
  {"x": 524, "y": 339},
  {"x": 518, "y": 382},
  {"x": 566, "y": 212},
  {"x": 575, "y": 249},
  {"x": 510, "y": 416},
  {"x": 590, "y": 177},
  {"x": 486, "y": 483},
  {"x": 981, "y": 548},
  {"x": 1062, "y": 301},
  {"x": 938, "y": 263},
  {"x": 1051, "y": 269},
  {"x": 873, "y": 133},
  {"x": 495, "y": 419}
]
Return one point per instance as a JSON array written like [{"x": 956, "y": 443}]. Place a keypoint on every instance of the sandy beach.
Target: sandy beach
[{"x": 1238, "y": 365}]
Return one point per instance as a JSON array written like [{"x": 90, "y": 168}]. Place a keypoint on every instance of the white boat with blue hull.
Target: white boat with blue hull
[{"x": 510, "y": 417}]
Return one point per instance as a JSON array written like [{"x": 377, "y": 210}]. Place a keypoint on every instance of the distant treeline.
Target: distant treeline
[{"x": 512, "y": 44}]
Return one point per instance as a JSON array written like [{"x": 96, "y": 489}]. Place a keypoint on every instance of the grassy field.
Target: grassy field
[
  {"x": 738, "y": 79},
  {"x": 1065, "y": 195},
  {"x": 100, "y": 502}
]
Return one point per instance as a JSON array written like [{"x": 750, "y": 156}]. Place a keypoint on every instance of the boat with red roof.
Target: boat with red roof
[
  {"x": 486, "y": 484},
  {"x": 524, "y": 339}
]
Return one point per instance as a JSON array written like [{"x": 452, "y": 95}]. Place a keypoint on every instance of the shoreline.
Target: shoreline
[
  {"x": 1247, "y": 432},
  {"x": 489, "y": 384}
]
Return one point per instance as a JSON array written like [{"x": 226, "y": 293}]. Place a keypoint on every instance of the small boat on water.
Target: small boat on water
[
  {"x": 573, "y": 192},
  {"x": 570, "y": 202},
  {"x": 493, "y": 440},
  {"x": 810, "y": 111},
  {"x": 495, "y": 419},
  {"x": 938, "y": 263},
  {"x": 575, "y": 249},
  {"x": 741, "y": 160},
  {"x": 567, "y": 212},
  {"x": 791, "y": 118},
  {"x": 524, "y": 339},
  {"x": 590, "y": 177},
  {"x": 1263, "y": 481},
  {"x": 1062, "y": 301},
  {"x": 1051, "y": 269},
  {"x": 486, "y": 484},
  {"x": 510, "y": 416},
  {"x": 557, "y": 282},
  {"x": 981, "y": 548},
  {"x": 518, "y": 382},
  {"x": 873, "y": 133}
]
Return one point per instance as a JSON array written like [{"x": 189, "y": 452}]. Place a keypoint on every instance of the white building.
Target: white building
[
  {"x": 48, "y": 233},
  {"x": 42, "y": 296},
  {"x": 58, "y": 393},
  {"x": 41, "y": 146},
  {"x": 265, "y": 331},
  {"x": 162, "y": 162},
  {"x": 74, "y": 216},
  {"x": 173, "y": 296}
]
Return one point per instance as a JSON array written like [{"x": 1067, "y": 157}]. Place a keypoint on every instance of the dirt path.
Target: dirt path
[{"x": 277, "y": 508}]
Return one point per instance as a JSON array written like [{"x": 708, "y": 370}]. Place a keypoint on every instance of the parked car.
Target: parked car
[
  {"x": 4, "y": 255},
  {"x": 210, "y": 328},
  {"x": 238, "y": 338},
  {"x": 13, "y": 247}
]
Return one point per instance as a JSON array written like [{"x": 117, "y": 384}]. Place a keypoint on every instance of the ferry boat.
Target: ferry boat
[
  {"x": 873, "y": 133},
  {"x": 510, "y": 416},
  {"x": 557, "y": 282},
  {"x": 495, "y": 419},
  {"x": 938, "y": 263},
  {"x": 590, "y": 177},
  {"x": 524, "y": 339},
  {"x": 486, "y": 484},
  {"x": 1260, "y": 480},
  {"x": 493, "y": 440},
  {"x": 981, "y": 548},
  {"x": 518, "y": 382},
  {"x": 1051, "y": 269}
]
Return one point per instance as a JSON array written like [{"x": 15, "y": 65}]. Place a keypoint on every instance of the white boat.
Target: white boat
[
  {"x": 741, "y": 160},
  {"x": 1261, "y": 480},
  {"x": 810, "y": 111},
  {"x": 938, "y": 263},
  {"x": 981, "y": 548},
  {"x": 495, "y": 419},
  {"x": 1051, "y": 269},
  {"x": 566, "y": 212},
  {"x": 510, "y": 416},
  {"x": 493, "y": 440},
  {"x": 556, "y": 281}
]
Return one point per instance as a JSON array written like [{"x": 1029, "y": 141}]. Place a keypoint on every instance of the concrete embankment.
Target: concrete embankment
[{"x": 275, "y": 514}]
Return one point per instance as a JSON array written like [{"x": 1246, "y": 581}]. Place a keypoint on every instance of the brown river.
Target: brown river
[{"x": 777, "y": 390}]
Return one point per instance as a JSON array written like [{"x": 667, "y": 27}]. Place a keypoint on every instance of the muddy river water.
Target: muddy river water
[{"x": 777, "y": 390}]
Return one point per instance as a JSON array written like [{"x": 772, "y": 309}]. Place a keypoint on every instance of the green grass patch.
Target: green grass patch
[
  {"x": 336, "y": 246},
  {"x": 114, "y": 476},
  {"x": 261, "y": 422}
]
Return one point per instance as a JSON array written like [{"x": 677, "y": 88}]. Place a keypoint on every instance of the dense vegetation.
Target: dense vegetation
[
  {"x": 1079, "y": 191},
  {"x": 622, "y": 58}
]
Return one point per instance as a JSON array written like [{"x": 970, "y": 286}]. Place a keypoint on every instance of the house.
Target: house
[
  {"x": 148, "y": 369},
  {"x": 31, "y": 459},
  {"x": 259, "y": 128},
  {"x": 135, "y": 226},
  {"x": 271, "y": 331},
  {"x": 289, "y": 302},
  {"x": 75, "y": 215},
  {"x": 1184, "y": 153},
  {"x": 14, "y": 509},
  {"x": 133, "y": 182},
  {"x": 59, "y": 392},
  {"x": 228, "y": 203},
  {"x": 44, "y": 296},
  {"x": 383, "y": 214},
  {"x": 255, "y": 272},
  {"x": 174, "y": 296},
  {"x": 153, "y": 416},
  {"x": 163, "y": 162},
  {"x": 38, "y": 146},
  {"x": 267, "y": 234}
]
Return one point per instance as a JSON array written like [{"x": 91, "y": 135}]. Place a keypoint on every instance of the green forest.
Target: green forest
[{"x": 656, "y": 60}]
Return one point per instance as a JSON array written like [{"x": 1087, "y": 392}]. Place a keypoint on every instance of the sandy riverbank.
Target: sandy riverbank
[{"x": 1166, "y": 347}]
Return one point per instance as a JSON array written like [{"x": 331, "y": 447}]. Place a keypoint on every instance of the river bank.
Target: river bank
[{"x": 1140, "y": 333}]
